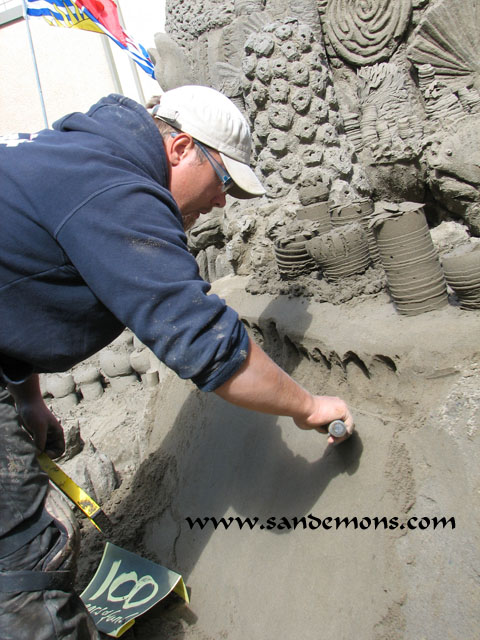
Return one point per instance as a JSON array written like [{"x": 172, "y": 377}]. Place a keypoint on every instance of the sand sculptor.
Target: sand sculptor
[{"x": 181, "y": 160}]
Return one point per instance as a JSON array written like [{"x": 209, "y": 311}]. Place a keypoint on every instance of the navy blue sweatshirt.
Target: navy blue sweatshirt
[{"x": 92, "y": 241}]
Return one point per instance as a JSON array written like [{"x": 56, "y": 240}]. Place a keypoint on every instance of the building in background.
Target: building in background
[{"x": 75, "y": 67}]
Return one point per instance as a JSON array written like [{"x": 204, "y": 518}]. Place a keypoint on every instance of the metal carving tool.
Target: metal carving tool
[{"x": 337, "y": 428}]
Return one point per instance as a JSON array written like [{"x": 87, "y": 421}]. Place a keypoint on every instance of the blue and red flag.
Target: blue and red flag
[{"x": 91, "y": 15}]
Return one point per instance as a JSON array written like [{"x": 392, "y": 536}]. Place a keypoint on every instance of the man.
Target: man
[{"x": 93, "y": 240}]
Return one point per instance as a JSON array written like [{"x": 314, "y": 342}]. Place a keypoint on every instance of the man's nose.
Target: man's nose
[{"x": 220, "y": 200}]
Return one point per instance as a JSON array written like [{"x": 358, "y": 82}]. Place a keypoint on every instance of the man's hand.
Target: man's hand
[
  {"x": 326, "y": 409},
  {"x": 43, "y": 426},
  {"x": 36, "y": 417},
  {"x": 261, "y": 385}
]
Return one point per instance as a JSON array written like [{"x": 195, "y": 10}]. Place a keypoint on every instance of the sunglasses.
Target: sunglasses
[
  {"x": 223, "y": 175},
  {"x": 225, "y": 178}
]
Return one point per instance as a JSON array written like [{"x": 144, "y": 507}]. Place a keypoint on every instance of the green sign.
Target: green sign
[{"x": 125, "y": 586}]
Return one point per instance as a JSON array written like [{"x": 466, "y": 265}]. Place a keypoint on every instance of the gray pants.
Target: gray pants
[{"x": 37, "y": 599}]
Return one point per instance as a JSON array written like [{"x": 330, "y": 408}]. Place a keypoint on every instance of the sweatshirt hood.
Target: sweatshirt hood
[{"x": 109, "y": 119}]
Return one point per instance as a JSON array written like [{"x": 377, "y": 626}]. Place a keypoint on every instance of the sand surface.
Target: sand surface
[{"x": 414, "y": 386}]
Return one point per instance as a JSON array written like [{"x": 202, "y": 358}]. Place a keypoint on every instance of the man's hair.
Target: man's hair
[
  {"x": 166, "y": 129},
  {"x": 153, "y": 100}
]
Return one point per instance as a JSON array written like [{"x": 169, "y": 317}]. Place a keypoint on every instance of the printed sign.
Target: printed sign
[{"x": 125, "y": 586}]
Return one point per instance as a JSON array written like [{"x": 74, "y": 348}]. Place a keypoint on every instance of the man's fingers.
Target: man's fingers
[
  {"x": 38, "y": 436},
  {"x": 323, "y": 429},
  {"x": 335, "y": 441},
  {"x": 349, "y": 422},
  {"x": 55, "y": 443}
]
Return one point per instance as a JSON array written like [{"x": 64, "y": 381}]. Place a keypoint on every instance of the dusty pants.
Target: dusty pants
[{"x": 36, "y": 546}]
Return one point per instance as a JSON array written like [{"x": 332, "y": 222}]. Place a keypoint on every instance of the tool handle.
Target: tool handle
[{"x": 337, "y": 428}]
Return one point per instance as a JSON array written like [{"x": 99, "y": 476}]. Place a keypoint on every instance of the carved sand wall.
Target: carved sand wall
[
  {"x": 363, "y": 33},
  {"x": 347, "y": 99}
]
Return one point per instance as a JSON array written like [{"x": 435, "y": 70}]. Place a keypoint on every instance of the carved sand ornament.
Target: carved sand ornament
[
  {"x": 340, "y": 252},
  {"x": 229, "y": 68},
  {"x": 292, "y": 258},
  {"x": 294, "y": 112},
  {"x": 462, "y": 271},
  {"x": 358, "y": 211},
  {"x": 388, "y": 123},
  {"x": 448, "y": 40},
  {"x": 172, "y": 68},
  {"x": 415, "y": 278},
  {"x": 366, "y": 31},
  {"x": 244, "y": 7},
  {"x": 187, "y": 20},
  {"x": 453, "y": 160},
  {"x": 306, "y": 11}
]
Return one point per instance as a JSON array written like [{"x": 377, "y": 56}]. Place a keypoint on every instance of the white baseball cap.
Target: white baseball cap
[{"x": 211, "y": 118}]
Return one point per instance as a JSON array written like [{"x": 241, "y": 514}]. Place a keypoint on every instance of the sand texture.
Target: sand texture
[{"x": 414, "y": 384}]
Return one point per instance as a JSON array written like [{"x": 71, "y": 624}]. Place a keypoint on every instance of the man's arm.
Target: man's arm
[
  {"x": 263, "y": 386},
  {"x": 37, "y": 418}
]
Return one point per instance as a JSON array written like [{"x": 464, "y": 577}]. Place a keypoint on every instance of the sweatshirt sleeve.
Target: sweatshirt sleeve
[{"x": 128, "y": 245}]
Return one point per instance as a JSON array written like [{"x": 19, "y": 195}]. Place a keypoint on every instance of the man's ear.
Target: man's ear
[{"x": 179, "y": 147}]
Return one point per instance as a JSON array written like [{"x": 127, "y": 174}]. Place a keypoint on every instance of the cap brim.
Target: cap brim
[{"x": 247, "y": 185}]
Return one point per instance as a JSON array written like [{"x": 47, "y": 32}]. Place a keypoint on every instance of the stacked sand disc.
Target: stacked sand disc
[
  {"x": 340, "y": 252},
  {"x": 315, "y": 207},
  {"x": 415, "y": 278},
  {"x": 462, "y": 271},
  {"x": 292, "y": 257},
  {"x": 357, "y": 211},
  {"x": 318, "y": 214}
]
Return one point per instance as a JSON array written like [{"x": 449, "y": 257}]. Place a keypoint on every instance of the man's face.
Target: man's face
[{"x": 194, "y": 184}]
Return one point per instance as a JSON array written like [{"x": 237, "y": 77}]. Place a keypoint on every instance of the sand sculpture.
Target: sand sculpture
[
  {"x": 366, "y": 126},
  {"x": 349, "y": 102}
]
